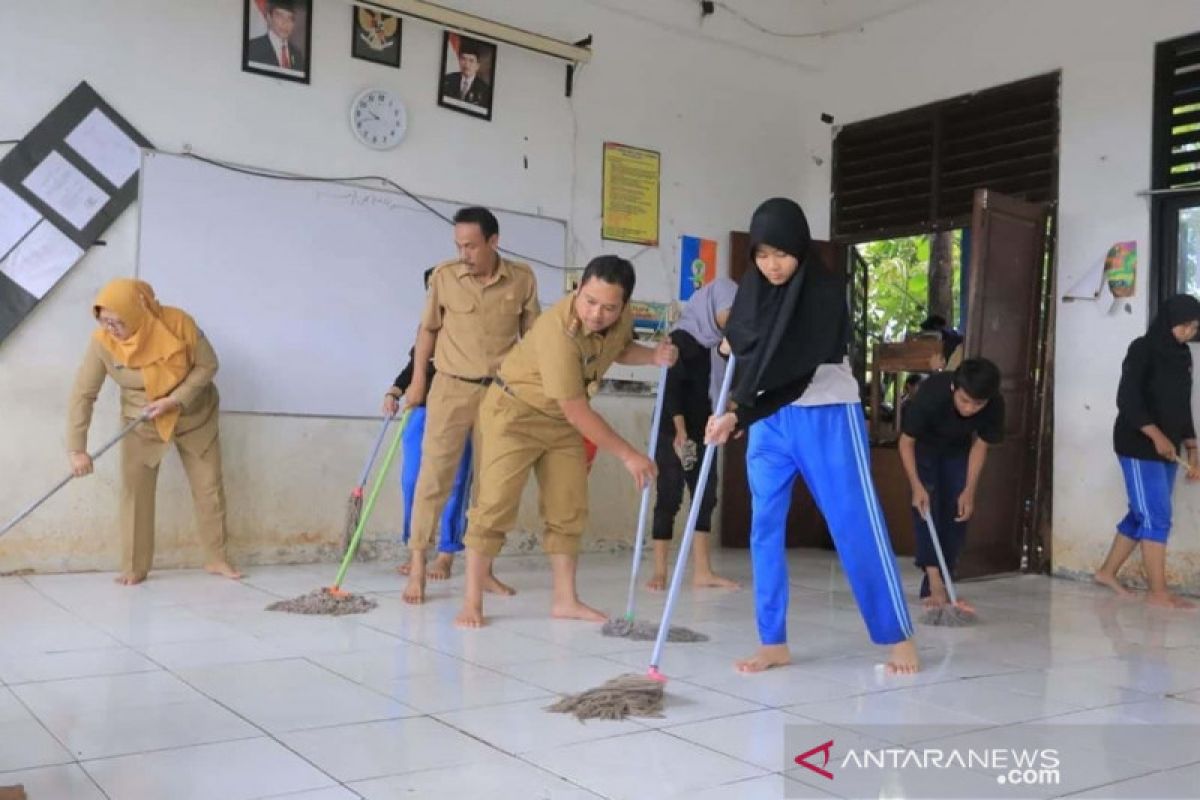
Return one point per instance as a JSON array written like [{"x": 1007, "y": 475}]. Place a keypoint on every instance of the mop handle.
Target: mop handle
[
  {"x": 36, "y": 503},
  {"x": 644, "y": 510},
  {"x": 689, "y": 530},
  {"x": 370, "y": 504},
  {"x": 366, "y": 473},
  {"x": 937, "y": 548}
]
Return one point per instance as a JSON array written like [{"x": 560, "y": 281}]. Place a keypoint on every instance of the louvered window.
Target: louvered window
[
  {"x": 1177, "y": 114},
  {"x": 1175, "y": 179},
  {"x": 917, "y": 170}
]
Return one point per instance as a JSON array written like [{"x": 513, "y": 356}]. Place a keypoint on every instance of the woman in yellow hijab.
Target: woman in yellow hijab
[{"x": 164, "y": 367}]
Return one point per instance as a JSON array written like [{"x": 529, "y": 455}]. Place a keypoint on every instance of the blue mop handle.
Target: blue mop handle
[
  {"x": 689, "y": 531},
  {"x": 644, "y": 510},
  {"x": 937, "y": 548},
  {"x": 366, "y": 473}
]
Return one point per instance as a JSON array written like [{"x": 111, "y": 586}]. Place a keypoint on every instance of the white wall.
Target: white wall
[
  {"x": 722, "y": 116},
  {"x": 1105, "y": 51}
]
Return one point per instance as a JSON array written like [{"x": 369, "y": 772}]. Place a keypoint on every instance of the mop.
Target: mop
[
  {"x": 955, "y": 614},
  {"x": 354, "y": 506},
  {"x": 334, "y": 600},
  {"x": 627, "y": 627},
  {"x": 633, "y": 695},
  {"x": 36, "y": 503}
]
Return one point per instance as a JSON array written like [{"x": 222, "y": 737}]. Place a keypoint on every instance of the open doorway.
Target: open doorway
[{"x": 907, "y": 287}]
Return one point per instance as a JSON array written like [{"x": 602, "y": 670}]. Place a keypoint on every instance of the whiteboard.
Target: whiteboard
[{"x": 310, "y": 292}]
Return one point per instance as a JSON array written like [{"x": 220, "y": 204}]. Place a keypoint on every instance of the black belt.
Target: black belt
[{"x": 476, "y": 381}]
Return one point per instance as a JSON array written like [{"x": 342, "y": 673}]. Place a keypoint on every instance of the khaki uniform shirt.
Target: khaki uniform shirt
[
  {"x": 560, "y": 360},
  {"x": 196, "y": 393},
  {"x": 477, "y": 325}
]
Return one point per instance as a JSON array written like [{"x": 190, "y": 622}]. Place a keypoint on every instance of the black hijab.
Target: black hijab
[
  {"x": 781, "y": 334},
  {"x": 1178, "y": 310}
]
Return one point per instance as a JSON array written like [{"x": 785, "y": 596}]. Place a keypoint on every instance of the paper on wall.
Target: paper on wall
[
  {"x": 65, "y": 189},
  {"x": 41, "y": 259},
  {"x": 106, "y": 147},
  {"x": 17, "y": 218}
]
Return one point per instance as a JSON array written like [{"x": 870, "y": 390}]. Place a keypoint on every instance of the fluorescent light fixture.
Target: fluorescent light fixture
[{"x": 484, "y": 28}]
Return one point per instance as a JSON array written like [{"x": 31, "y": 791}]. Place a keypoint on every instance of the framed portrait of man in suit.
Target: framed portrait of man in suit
[
  {"x": 467, "y": 83},
  {"x": 277, "y": 38}
]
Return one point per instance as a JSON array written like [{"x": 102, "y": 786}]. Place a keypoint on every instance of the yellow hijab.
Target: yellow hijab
[{"x": 161, "y": 343}]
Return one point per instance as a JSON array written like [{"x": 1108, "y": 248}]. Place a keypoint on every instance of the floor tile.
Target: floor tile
[
  {"x": 379, "y": 749},
  {"x": 641, "y": 764},
  {"x": 518, "y": 779},
  {"x": 521, "y": 727},
  {"x": 241, "y": 770}
]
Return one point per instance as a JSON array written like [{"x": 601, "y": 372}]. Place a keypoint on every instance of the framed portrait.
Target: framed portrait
[
  {"x": 376, "y": 36},
  {"x": 277, "y": 38},
  {"x": 467, "y": 82}
]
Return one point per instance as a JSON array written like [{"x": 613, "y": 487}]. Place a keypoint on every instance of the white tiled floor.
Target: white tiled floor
[{"x": 186, "y": 687}]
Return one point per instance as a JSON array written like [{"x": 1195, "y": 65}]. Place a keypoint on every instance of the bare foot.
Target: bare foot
[
  {"x": 129, "y": 579},
  {"x": 405, "y": 568},
  {"x": 1168, "y": 600},
  {"x": 767, "y": 657},
  {"x": 1104, "y": 579},
  {"x": 414, "y": 592},
  {"x": 577, "y": 610},
  {"x": 470, "y": 617},
  {"x": 440, "y": 571},
  {"x": 223, "y": 568},
  {"x": 963, "y": 605},
  {"x": 658, "y": 583},
  {"x": 711, "y": 580},
  {"x": 493, "y": 585},
  {"x": 904, "y": 659},
  {"x": 936, "y": 599}
]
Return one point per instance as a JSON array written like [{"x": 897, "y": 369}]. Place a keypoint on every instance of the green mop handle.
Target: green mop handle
[
  {"x": 370, "y": 505},
  {"x": 937, "y": 548}
]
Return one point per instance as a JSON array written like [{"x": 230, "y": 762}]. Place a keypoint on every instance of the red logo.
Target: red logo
[{"x": 802, "y": 759}]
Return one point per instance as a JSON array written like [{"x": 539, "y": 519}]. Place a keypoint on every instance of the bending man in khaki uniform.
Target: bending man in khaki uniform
[
  {"x": 164, "y": 366},
  {"x": 477, "y": 307},
  {"x": 533, "y": 418}
]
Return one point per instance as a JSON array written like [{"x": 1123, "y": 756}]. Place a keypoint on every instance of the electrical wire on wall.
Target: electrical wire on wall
[
  {"x": 847, "y": 28},
  {"x": 349, "y": 180}
]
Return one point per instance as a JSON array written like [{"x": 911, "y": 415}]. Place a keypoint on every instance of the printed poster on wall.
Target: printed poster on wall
[
  {"x": 650, "y": 319},
  {"x": 629, "y": 206},
  {"x": 697, "y": 265}
]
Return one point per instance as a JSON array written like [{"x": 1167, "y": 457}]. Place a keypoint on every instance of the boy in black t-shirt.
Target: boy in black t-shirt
[{"x": 946, "y": 430}]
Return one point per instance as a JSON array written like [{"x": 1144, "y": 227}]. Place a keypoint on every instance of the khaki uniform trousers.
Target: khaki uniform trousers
[
  {"x": 517, "y": 439},
  {"x": 452, "y": 410},
  {"x": 141, "y": 455}
]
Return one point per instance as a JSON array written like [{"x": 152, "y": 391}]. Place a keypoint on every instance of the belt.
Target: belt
[{"x": 476, "y": 381}]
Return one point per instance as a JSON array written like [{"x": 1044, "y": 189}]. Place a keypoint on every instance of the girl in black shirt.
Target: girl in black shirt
[{"x": 1154, "y": 417}]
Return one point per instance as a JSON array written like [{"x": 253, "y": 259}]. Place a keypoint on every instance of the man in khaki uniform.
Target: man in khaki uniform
[
  {"x": 535, "y": 417},
  {"x": 477, "y": 307}
]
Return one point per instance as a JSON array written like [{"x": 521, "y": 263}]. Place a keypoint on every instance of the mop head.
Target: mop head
[
  {"x": 639, "y": 631},
  {"x": 322, "y": 601},
  {"x": 949, "y": 616},
  {"x": 353, "y": 513},
  {"x": 630, "y": 695}
]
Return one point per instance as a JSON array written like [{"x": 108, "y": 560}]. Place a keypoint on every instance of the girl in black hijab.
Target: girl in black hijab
[
  {"x": 1154, "y": 417},
  {"x": 795, "y": 393}
]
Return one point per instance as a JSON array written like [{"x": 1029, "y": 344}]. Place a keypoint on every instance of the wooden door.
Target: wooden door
[{"x": 1007, "y": 257}]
